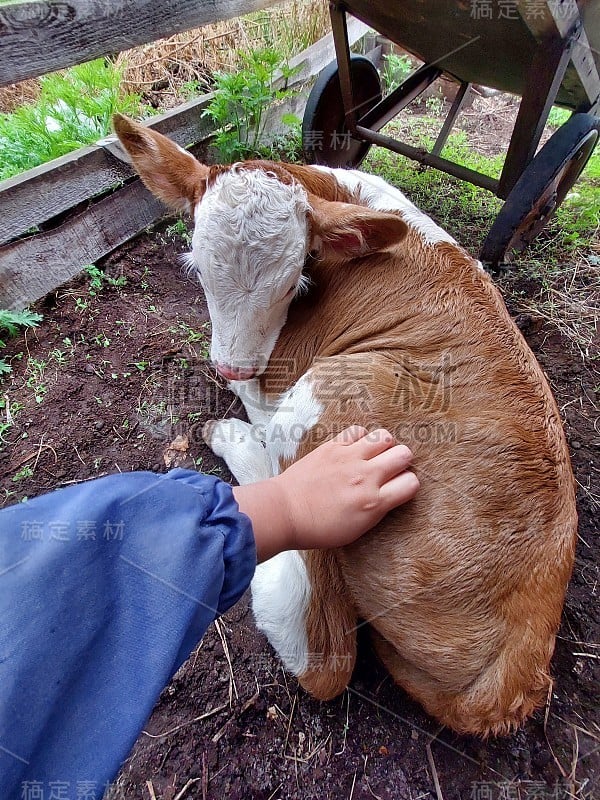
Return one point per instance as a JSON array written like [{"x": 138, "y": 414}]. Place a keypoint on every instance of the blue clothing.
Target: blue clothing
[{"x": 105, "y": 589}]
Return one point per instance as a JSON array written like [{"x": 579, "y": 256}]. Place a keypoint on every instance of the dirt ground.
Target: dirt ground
[{"x": 124, "y": 372}]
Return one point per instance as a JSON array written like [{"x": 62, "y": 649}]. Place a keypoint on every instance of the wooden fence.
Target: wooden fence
[
  {"x": 88, "y": 202},
  {"x": 46, "y": 35}
]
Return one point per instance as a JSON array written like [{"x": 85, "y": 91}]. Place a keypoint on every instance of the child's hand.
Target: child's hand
[
  {"x": 331, "y": 496},
  {"x": 345, "y": 486}
]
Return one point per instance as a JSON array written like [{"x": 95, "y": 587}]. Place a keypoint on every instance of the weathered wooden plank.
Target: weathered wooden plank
[
  {"x": 42, "y": 193},
  {"x": 47, "y": 35},
  {"x": 32, "y": 267}
]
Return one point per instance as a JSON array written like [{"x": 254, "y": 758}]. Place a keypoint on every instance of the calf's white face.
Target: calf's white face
[{"x": 249, "y": 245}]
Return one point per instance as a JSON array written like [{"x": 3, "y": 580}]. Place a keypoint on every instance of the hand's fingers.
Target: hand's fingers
[
  {"x": 375, "y": 442},
  {"x": 391, "y": 462},
  {"x": 399, "y": 490},
  {"x": 379, "y": 442},
  {"x": 350, "y": 435}
]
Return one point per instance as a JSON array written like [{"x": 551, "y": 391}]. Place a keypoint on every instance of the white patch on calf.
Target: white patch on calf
[
  {"x": 248, "y": 251},
  {"x": 379, "y": 195},
  {"x": 298, "y": 411},
  {"x": 280, "y": 595}
]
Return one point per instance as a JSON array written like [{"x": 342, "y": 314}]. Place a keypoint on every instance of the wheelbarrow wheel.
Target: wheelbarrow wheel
[
  {"x": 325, "y": 137},
  {"x": 541, "y": 188}
]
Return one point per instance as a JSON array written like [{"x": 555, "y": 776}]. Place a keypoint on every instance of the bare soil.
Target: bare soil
[{"x": 232, "y": 724}]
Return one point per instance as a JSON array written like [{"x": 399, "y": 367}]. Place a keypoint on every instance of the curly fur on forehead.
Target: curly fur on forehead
[
  {"x": 251, "y": 231},
  {"x": 255, "y": 203}
]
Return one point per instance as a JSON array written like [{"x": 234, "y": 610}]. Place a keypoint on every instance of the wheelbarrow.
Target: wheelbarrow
[{"x": 546, "y": 52}]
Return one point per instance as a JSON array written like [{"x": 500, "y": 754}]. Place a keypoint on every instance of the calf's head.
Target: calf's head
[{"x": 254, "y": 227}]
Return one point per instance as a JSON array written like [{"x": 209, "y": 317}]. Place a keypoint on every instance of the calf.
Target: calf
[{"x": 400, "y": 328}]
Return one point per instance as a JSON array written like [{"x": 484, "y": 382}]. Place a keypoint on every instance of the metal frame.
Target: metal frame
[{"x": 544, "y": 79}]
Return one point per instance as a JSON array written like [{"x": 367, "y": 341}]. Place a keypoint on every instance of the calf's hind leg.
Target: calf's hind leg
[{"x": 500, "y": 698}]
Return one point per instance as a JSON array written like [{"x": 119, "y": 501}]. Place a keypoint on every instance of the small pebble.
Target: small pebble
[
  {"x": 575, "y": 444},
  {"x": 99, "y": 424}
]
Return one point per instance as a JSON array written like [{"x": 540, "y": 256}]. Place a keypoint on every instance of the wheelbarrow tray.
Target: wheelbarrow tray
[{"x": 496, "y": 52}]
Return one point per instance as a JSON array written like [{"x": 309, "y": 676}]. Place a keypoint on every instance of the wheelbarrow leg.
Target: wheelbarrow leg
[
  {"x": 389, "y": 106},
  {"x": 546, "y": 74},
  {"x": 342, "y": 50},
  {"x": 457, "y": 104}
]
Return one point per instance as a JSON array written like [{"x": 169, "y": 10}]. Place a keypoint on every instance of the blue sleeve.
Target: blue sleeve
[{"x": 105, "y": 589}]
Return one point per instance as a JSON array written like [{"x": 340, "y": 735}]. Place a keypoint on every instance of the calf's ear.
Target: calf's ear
[
  {"x": 172, "y": 174},
  {"x": 345, "y": 231}
]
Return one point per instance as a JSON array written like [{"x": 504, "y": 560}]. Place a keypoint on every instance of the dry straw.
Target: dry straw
[{"x": 163, "y": 72}]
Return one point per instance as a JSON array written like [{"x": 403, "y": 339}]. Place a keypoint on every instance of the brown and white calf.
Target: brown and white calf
[{"x": 462, "y": 587}]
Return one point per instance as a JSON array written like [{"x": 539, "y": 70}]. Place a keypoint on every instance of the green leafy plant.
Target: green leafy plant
[
  {"x": 434, "y": 105},
  {"x": 144, "y": 282},
  {"x": 9, "y": 411},
  {"x": 59, "y": 356},
  {"x": 396, "y": 70},
  {"x": 241, "y": 100},
  {"x": 99, "y": 279},
  {"x": 191, "y": 89},
  {"x": 22, "y": 474},
  {"x": 74, "y": 108},
  {"x": 101, "y": 339},
  {"x": 10, "y": 322},
  {"x": 287, "y": 146},
  {"x": 179, "y": 228},
  {"x": 36, "y": 368}
]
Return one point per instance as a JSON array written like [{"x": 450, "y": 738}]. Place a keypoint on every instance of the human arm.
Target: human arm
[
  {"x": 98, "y": 613},
  {"x": 106, "y": 587}
]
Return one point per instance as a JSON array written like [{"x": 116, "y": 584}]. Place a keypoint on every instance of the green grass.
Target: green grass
[
  {"x": 75, "y": 108},
  {"x": 468, "y": 211},
  {"x": 558, "y": 116}
]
